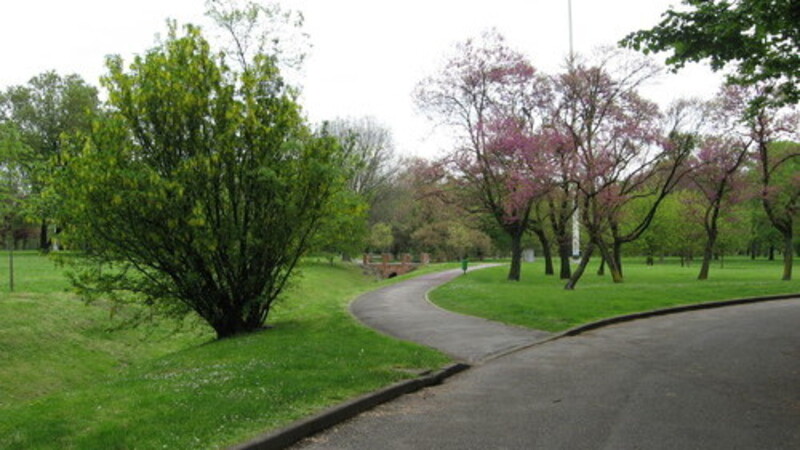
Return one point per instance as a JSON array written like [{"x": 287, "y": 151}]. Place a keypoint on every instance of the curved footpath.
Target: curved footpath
[{"x": 403, "y": 311}]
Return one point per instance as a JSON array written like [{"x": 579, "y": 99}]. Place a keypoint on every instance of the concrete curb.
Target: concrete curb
[
  {"x": 673, "y": 310},
  {"x": 580, "y": 329},
  {"x": 303, "y": 428}
]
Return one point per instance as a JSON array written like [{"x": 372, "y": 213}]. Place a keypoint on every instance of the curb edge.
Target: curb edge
[
  {"x": 580, "y": 329},
  {"x": 303, "y": 428}
]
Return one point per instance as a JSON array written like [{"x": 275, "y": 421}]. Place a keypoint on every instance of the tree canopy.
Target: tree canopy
[{"x": 759, "y": 38}]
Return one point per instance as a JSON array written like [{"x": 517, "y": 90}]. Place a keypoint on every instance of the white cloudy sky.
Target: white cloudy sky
[{"x": 366, "y": 56}]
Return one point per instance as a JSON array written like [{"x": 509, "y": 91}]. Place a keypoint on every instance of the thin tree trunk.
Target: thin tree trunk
[
  {"x": 11, "y": 262},
  {"x": 617, "y": 255},
  {"x": 547, "y": 254},
  {"x": 43, "y": 233},
  {"x": 578, "y": 273},
  {"x": 707, "y": 255},
  {"x": 564, "y": 254},
  {"x": 516, "y": 257},
  {"x": 601, "y": 271},
  {"x": 616, "y": 274},
  {"x": 788, "y": 254}
]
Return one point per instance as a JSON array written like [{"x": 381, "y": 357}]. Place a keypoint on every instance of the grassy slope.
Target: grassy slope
[
  {"x": 541, "y": 302},
  {"x": 68, "y": 381}
]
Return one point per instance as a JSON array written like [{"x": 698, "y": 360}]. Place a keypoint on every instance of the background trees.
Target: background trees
[
  {"x": 370, "y": 154},
  {"x": 45, "y": 110},
  {"x": 201, "y": 187},
  {"x": 759, "y": 38},
  {"x": 14, "y": 188}
]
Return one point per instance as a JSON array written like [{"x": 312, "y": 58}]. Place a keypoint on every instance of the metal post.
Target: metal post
[
  {"x": 569, "y": 10},
  {"x": 576, "y": 230}
]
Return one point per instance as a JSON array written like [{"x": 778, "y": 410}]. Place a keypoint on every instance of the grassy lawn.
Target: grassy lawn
[
  {"x": 541, "y": 302},
  {"x": 72, "y": 377}
]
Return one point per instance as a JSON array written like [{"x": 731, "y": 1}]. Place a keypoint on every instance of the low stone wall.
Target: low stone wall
[{"x": 387, "y": 268}]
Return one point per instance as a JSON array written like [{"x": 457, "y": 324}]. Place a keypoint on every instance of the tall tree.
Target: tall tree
[
  {"x": 368, "y": 166},
  {"x": 615, "y": 135},
  {"x": 493, "y": 99},
  {"x": 758, "y": 38},
  {"x": 718, "y": 169},
  {"x": 718, "y": 177},
  {"x": 14, "y": 158},
  {"x": 250, "y": 28},
  {"x": 49, "y": 107},
  {"x": 201, "y": 188},
  {"x": 370, "y": 155},
  {"x": 562, "y": 199},
  {"x": 774, "y": 133}
]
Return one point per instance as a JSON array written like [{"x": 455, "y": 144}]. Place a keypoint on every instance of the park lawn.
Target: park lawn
[
  {"x": 71, "y": 377},
  {"x": 540, "y": 302}
]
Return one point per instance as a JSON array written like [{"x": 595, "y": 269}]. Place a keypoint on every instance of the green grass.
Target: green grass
[
  {"x": 540, "y": 302},
  {"x": 72, "y": 378}
]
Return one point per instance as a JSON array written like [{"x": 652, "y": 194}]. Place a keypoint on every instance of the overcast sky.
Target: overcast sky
[{"x": 366, "y": 56}]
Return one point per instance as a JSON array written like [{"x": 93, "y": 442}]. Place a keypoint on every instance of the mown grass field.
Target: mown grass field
[
  {"x": 540, "y": 301},
  {"x": 72, "y": 377}
]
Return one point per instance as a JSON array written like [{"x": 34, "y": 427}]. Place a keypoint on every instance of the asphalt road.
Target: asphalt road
[{"x": 725, "y": 378}]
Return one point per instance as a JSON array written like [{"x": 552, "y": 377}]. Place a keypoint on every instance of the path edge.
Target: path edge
[
  {"x": 334, "y": 415},
  {"x": 580, "y": 329}
]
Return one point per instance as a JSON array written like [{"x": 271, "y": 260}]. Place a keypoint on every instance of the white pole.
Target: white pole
[
  {"x": 569, "y": 10},
  {"x": 576, "y": 229}
]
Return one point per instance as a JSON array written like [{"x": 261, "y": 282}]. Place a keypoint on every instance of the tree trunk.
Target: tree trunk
[
  {"x": 565, "y": 255},
  {"x": 617, "y": 255},
  {"x": 788, "y": 254},
  {"x": 578, "y": 273},
  {"x": 616, "y": 272},
  {"x": 707, "y": 255},
  {"x": 546, "y": 253},
  {"x": 11, "y": 262},
  {"x": 601, "y": 271},
  {"x": 516, "y": 257},
  {"x": 771, "y": 255},
  {"x": 43, "y": 233},
  {"x": 232, "y": 323}
]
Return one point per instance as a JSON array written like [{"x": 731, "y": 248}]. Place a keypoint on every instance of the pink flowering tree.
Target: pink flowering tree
[
  {"x": 718, "y": 168},
  {"x": 719, "y": 179},
  {"x": 775, "y": 134},
  {"x": 559, "y": 202},
  {"x": 620, "y": 155},
  {"x": 494, "y": 101}
]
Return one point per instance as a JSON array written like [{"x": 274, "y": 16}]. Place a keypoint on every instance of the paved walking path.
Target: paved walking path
[
  {"x": 709, "y": 379},
  {"x": 403, "y": 311}
]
